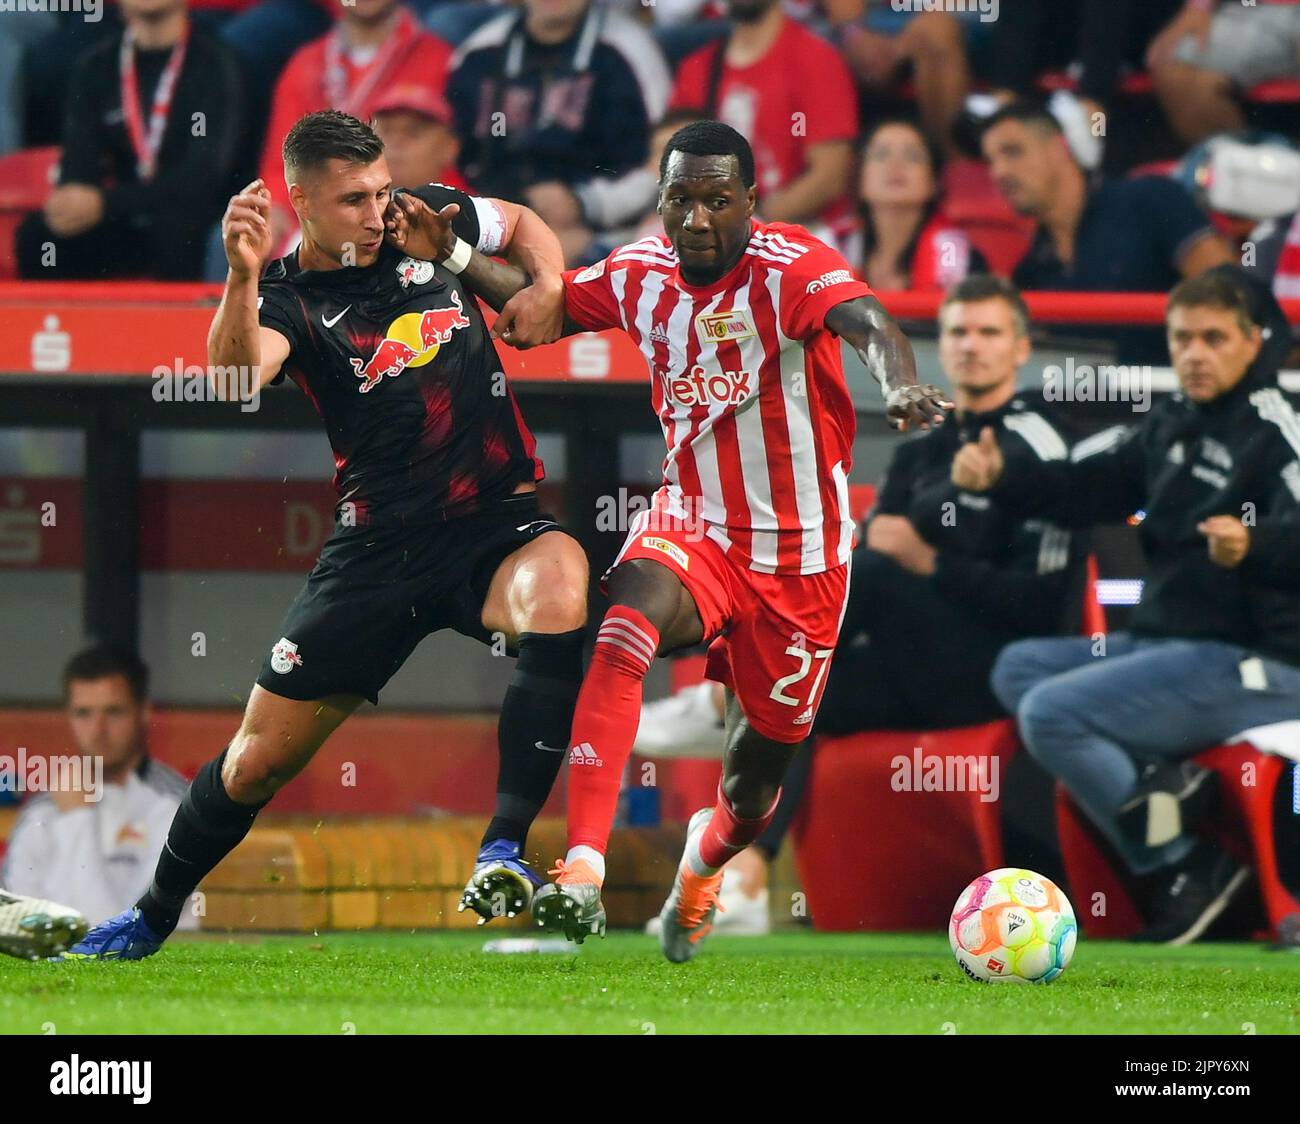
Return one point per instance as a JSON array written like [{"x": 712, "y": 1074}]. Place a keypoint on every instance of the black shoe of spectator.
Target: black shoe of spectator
[
  {"x": 1190, "y": 895},
  {"x": 1172, "y": 798}
]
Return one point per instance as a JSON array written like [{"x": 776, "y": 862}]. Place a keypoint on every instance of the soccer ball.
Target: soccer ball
[{"x": 1012, "y": 926}]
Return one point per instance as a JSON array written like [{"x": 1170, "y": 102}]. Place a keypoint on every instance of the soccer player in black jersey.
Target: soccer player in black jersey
[{"x": 437, "y": 522}]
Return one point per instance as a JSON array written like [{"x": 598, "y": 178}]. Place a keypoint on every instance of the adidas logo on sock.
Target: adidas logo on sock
[{"x": 583, "y": 754}]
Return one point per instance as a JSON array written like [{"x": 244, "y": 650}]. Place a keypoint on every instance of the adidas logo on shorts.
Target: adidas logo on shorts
[{"x": 583, "y": 754}]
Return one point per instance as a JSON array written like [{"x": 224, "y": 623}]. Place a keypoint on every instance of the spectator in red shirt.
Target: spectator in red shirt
[
  {"x": 791, "y": 96},
  {"x": 375, "y": 46},
  {"x": 905, "y": 241}
]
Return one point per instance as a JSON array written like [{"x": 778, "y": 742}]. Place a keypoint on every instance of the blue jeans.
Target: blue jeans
[{"x": 1090, "y": 719}]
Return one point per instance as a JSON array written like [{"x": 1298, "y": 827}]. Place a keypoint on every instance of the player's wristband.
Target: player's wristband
[{"x": 458, "y": 259}]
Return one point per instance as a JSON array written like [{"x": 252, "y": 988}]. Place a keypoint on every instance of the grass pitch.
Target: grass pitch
[{"x": 795, "y": 983}]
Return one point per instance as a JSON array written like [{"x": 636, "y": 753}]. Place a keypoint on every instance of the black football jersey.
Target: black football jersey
[{"x": 397, "y": 359}]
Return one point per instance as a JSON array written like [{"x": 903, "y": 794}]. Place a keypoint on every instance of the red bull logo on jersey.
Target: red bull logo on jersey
[
  {"x": 705, "y": 388},
  {"x": 411, "y": 340}
]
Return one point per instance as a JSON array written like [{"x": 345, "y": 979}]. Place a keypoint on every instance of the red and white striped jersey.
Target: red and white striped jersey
[{"x": 749, "y": 388}]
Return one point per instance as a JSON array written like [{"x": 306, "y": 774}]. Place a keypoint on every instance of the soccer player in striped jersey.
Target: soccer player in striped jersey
[{"x": 746, "y": 543}]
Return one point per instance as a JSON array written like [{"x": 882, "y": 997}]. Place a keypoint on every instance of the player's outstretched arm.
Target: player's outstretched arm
[
  {"x": 236, "y": 339},
  {"x": 881, "y": 345}
]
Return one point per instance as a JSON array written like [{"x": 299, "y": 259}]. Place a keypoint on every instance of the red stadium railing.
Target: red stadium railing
[{"x": 133, "y": 328}]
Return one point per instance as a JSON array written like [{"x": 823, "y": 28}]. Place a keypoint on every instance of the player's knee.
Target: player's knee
[
  {"x": 1037, "y": 715},
  {"x": 253, "y": 770},
  {"x": 652, "y": 591},
  {"x": 549, "y": 592},
  {"x": 750, "y": 800},
  {"x": 558, "y": 605},
  {"x": 1007, "y": 679}
]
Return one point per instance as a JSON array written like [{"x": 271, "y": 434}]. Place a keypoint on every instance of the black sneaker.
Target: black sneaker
[
  {"x": 1192, "y": 894},
  {"x": 1172, "y": 797}
]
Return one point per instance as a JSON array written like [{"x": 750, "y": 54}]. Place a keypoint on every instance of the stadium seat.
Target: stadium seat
[
  {"x": 972, "y": 203},
  {"x": 873, "y": 854},
  {"x": 26, "y": 177},
  {"x": 1246, "y": 825},
  {"x": 1102, "y": 903},
  {"x": 1153, "y": 168},
  {"x": 851, "y": 802},
  {"x": 1094, "y": 613}
]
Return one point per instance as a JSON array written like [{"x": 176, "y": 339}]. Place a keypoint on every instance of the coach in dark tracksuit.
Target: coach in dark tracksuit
[
  {"x": 1215, "y": 644},
  {"x": 942, "y": 579}
]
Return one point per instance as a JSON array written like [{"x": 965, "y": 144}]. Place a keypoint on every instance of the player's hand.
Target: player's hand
[
  {"x": 896, "y": 537},
  {"x": 246, "y": 230},
  {"x": 417, "y": 229},
  {"x": 73, "y": 208},
  {"x": 1228, "y": 538},
  {"x": 534, "y": 315},
  {"x": 1190, "y": 21},
  {"x": 978, "y": 465},
  {"x": 915, "y": 407}
]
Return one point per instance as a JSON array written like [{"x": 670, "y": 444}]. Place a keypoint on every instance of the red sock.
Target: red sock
[
  {"x": 605, "y": 723},
  {"x": 726, "y": 833}
]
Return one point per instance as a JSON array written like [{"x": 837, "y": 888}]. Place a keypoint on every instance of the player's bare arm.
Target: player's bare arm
[
  {"x": 527, "y": 292},
  {"x": 236, "y": 339},
  {"x": 881, "y": 345}
]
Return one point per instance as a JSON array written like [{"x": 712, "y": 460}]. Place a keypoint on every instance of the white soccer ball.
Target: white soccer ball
[{"x": 1012, "y": 926}]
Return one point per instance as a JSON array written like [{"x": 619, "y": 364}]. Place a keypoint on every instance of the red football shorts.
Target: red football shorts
[{"x": 771, "y": 636}]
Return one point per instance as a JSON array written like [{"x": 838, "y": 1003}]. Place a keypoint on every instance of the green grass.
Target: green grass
[{"x": 797, "y": 983}]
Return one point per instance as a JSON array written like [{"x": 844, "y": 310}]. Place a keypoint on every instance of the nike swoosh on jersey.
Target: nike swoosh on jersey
[
  {"x": 330, "y": 323},
  {"x": 551, "y": 748}
]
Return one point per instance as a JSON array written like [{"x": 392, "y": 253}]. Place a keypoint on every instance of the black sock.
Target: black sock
[
  {"x": 538, "y": 707},
  {"x": 208, "y": 826}
]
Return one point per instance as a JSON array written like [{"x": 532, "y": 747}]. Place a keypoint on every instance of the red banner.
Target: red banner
[{"x": 117, "y": 328}]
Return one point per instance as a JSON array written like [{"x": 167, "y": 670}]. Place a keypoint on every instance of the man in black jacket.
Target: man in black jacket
[
  {"x": 1214, "y": 649},
  {"x": 151, "y": 136}
]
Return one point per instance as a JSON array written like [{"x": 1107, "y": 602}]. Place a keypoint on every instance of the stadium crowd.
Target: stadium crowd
[{"x": 883, "y": 126}]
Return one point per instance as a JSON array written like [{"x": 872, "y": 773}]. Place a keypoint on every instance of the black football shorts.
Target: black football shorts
[{"x": 375, "y": 594}]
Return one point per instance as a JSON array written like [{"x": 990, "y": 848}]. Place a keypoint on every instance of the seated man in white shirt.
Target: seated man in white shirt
[{"x": 94, "y": 845}]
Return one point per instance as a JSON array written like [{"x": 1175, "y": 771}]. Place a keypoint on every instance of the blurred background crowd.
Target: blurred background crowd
[{"x": 1032, "y": 138}]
